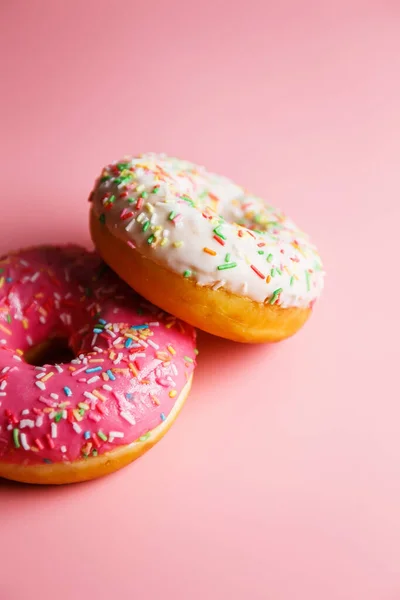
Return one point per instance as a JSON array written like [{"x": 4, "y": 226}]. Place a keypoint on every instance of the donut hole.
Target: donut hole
[{"x": 50, "y": 352}]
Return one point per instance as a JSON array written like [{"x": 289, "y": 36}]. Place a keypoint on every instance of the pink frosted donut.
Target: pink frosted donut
[{"x": 133, "y": 366}]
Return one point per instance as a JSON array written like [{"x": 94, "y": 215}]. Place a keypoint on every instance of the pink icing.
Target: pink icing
[{"x": 132, "y": 360}]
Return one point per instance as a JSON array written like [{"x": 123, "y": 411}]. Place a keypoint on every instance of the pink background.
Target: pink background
[{"x": 281, "y": 478}]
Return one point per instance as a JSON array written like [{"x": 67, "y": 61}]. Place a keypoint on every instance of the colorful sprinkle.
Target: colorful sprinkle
[
  {"x": 275, "y": 296},
  {"x": 257, "y": 272}
]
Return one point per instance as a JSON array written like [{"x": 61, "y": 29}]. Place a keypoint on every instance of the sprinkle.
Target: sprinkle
[
  {"x": 99, "y": 395},
  {"x": 208, "y": 251},
  {"x": 187, "y": 273},
  {"x": 146, "y": 226},
  {"x": 77, "y": 428},
  {"x": 46, "y": 401},
  {"x": 177, "y": 244},
  {"x": 40, "y": 385},
  {"x": 16, "y": 438},
  {"x": 110, "y": 374},
  {"x": 118, "y": 359},
  {"x": 39, "y": 421},
  {"x": 270, "y": 258},
  {"x": 87, "y": 435},
  {"x": 219, "y": 240},
  {"x": 47, "y": 376},
  {"x": 26, "y": 423},
  {"x": 151, "y": 239},
  {"x": 217, "y": 231},
  {"x": 5, "y": 329},
  {"x": 93, "y": 379},
  {"x": 127, "y": 215},
  {"x": 171, "y": 350},
  {"x": 177, "y": 219},
  {"x": 133, "y": 369},
  {"x": 89, "y": 395},
  {"x": 93, "y": 369},
  {"x": 115, "y": 434},
  {"x": 102, "y": 436},
  {"x": 292, "y": 279},
  {"x": 53, "y": 430},
  {"x": 162, "y": 417},
  {"x": 76, "y": 413},
  {"x": 67, "y": 391},
  {"x": 172, "y": 393},
  {"x": 153, "y": 344},
  {"x": 155, "y": 400},
  {"x": 172, "y": 215},
  {"x": 231, "y": 265},
  {"x": 139, "y": 203},
  {"x": 24, "y": 442},
  {"x": 86, "y": 449},
  {"x": 307, "y": 280},
  {"x": 106, "y": 387},
  {"x": 257, "y": 272},
  {"x": 227, "y": 257},
  {"x": 100, "y": 408},
  {"x": 39, "y": 444},
  {"x": 275, "y": 295},
  {"x": 188, "y": 359},
  {"x": 137, "y": 327}
]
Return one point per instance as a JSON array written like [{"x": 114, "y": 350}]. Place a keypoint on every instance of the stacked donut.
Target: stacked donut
[{"x": 178, "y": 248}]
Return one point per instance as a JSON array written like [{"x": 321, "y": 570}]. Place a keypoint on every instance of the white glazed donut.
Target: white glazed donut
[{"x": 236, "y": 267}]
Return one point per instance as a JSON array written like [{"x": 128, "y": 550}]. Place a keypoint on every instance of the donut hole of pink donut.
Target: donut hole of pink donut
[{"x": 54, "y": 351}]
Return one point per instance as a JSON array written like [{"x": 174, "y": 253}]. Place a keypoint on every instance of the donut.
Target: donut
[
  {"x": 91, "y": 374},
  {"x": 204, "y": 249}
]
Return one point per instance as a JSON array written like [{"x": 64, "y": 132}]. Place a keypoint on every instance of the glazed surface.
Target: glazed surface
[
  {"x": 208, "y": 229},
  {"x": 132, "y": 360}
]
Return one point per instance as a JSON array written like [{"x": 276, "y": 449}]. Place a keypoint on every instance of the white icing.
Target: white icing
[{"x": 291, "y": 269}]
